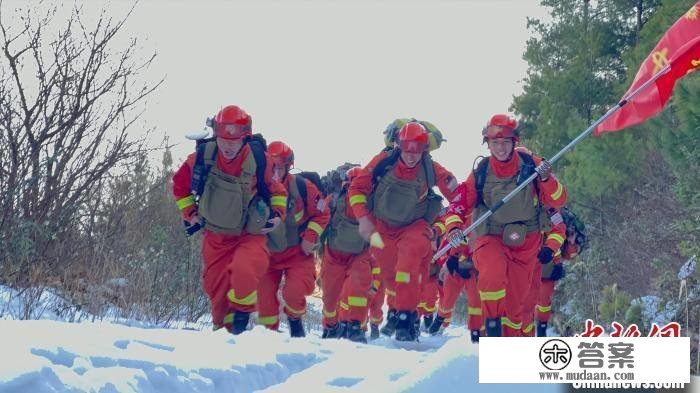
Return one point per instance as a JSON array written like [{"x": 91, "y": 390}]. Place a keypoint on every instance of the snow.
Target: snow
[
  {"x": 51, "y": 356},
  {"x": 112, "y": 354}
]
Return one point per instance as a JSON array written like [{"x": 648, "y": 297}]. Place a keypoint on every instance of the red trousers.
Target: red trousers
[
  {"x": 376, "y": 314},
  {"x": 402, "y": 262},
  {"x": 429, "y": 295},
  {"x": 530, "y": 301},
  {"x": 544, "y": 301},
  {"x": 505, "y": 275},
  {"x": 233, "y": 266},
  {"x": 346, "y": 279},
  {"x": 452, "y": 287},
  {"x": 299, "y": 274}
]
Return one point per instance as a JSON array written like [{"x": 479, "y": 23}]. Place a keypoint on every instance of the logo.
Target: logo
[{"x": 555, "y": 354}]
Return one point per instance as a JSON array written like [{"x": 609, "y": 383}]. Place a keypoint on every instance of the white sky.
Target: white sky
[{"x": 327, "y": 77}]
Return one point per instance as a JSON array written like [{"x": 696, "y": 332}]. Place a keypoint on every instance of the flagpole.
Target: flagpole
[{"x": 557, "y": 156}]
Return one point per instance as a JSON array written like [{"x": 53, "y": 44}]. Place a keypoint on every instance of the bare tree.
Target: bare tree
[{"x": 69, "y": 106}]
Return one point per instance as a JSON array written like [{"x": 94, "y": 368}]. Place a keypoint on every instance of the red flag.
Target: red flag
[{"x": 679, "y": 47}]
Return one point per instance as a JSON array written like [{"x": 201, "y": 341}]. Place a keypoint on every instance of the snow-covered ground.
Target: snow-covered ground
[{"x": 54, "y": 356}]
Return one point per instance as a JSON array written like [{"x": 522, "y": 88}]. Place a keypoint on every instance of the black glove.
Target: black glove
[
  {"x": 464, "y": 273},
  {"x": 557, "y": 272},
  {"x": 545, "y": 255},
  {"x": 191, "y": 229},
  {"x": 452, "y": 264}
]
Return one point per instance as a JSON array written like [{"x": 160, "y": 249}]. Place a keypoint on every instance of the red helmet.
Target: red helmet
[
  {"x": 501, "y": 126},
  {"x": 280, "y": 153},
  {"x": 413, "y": 138},
  {"x": 352, "y": 173},
  {"x": 232, "y": 122}
]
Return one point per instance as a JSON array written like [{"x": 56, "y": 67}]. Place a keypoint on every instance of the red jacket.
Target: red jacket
[
  {"x": 182, "y": 179},
  {"x": 552, "y": 194},
  {"x": 361, "y": 186}
]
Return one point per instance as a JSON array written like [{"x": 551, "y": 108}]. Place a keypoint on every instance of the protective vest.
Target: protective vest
[
  {"x": 343, "y": 232},
  {"x": 227, "y": 204},
  {"x": 400, "y": 202},
  {"x": 521, "y": 215},
  {"x": 289, "y": 234}
]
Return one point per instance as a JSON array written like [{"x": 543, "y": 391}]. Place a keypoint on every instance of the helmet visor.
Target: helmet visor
[
  {"x": 413, "y": 146},
  {"x": 493, "y": 132},
  {"x": 231, "y": 131}
]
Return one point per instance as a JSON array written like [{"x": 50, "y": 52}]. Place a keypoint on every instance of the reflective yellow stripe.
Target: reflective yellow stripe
[
  {"x": 268, "y": 320},
  {"x": 357, "y": 301},
  {"x": 228, "y": 318},
  {"x": 315, "y": 227},
  {"x": 507, "y": 322},
  {"x": 555, "y": 236},
  {"x": 474, "y": 311},
  {"x": 376, "y": 321},
  {"x": 529, "y": 328},
  {"x": 390, "y": 293},
  {"x": 462, "y": 258},
  {"x": 278, "y": 201},
  {"x": 298, "y": 312},
  {"x": 441, "y": 227},
  {"x": 544, "y": 308},
  {"x": 377, "y": 283},
  {"x": 430, "y": 309},
  {"x": 344, "y": 306},
  {"x": 558, "y": 192},
  {"x": 443, "y": 311},
  {"x": 496, "y": 295},
  {"x": 558, "y": 253},
  {"x": 403, "y": 277},
  {"x": 329, "y": 314},
  {"x": 355, "y": 199},
  {"x": 535, "y": 200},
  {"x": 452, "y": 219},
  {"x": 376, "y": 270},
  {"x": 249, "y": 300},
  {"x": 298, "y": 216},
  {"x": 185, "y": 202},
  {"x": 421, "y": 305}
]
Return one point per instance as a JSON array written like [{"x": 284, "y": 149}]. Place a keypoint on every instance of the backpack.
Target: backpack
[
  {"x": 392, "y": 131},
  {"x": 200, "y": 170},
  {"x": 527, "y": 168},
  {"x": 393, "y": 157},
  {"x": 575, "y": 225}
]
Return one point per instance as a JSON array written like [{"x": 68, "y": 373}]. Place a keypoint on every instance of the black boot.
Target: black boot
[
  {"x": 493, "y": 327},
  {"x": 342, "y": 329},
  {"x": 296, "y": 327},
  {"x": 436, "y": 325},
  {"x": 332, "y": 331},
  {"x": 390, "y": 326},
  {"x": 374, "y": 331},
  {"x": 475, "y": 336},
  {"x": 541, "y": 329},
  {"x": 416, "y": 324},
  {"x": 240, "y": 322},
  {"x": 355, "y": 332},
  {"x": 427, "y": 322},
  {"x": 406, "y": 326}
]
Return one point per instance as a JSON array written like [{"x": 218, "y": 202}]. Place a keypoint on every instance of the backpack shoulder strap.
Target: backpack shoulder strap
[
  {"x": 527, "y": 168},
  {"x": 301, "y": 189},
  {"x": 258, "y": 150},
  {"x": 429, "y": 168},
  {"x": 480, "y": 179},
  {"x": 384, "y": 164},
  {"x": 205, "y": 159}
]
